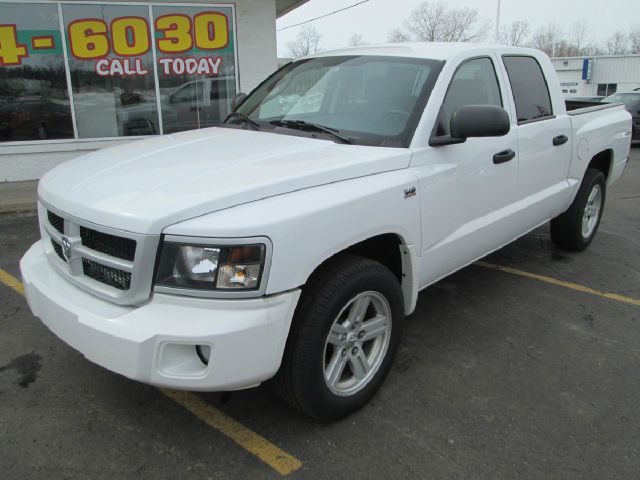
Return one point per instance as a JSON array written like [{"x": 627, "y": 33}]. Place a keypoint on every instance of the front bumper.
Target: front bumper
[{"x": 156, "y": 343}]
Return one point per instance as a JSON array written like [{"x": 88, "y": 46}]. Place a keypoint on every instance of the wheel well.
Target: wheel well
[
  {"x": 384, "y": 249},
  {"x": 602, "y": 162}
]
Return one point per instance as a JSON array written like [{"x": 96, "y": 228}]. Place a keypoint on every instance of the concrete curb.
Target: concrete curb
[
  {"x": 18, "y": 208},
  {"x": 18, "y": 196}
]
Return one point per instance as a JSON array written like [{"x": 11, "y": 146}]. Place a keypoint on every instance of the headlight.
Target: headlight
[{"x": 215, "y": 268}]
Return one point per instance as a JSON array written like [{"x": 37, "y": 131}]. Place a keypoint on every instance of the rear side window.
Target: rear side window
[{"x": 529, "y": 87}]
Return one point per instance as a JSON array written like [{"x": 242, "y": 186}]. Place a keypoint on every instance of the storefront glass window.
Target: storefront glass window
[
  {"x": 112, "y": 71},
  {"x": 34, "y": 100},
  {"x": 196, "y": 65},
  {"x": 115, "y": 87}
]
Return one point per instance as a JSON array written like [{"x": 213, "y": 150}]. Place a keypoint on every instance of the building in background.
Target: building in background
[
  {"x": 78, "y": 76},
  {"x": 598, "y": 75}
]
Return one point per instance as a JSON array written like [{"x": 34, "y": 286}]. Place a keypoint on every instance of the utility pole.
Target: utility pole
[{"x": 498, "y": 23}]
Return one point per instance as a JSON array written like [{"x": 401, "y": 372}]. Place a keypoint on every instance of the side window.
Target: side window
[
  {"x": 474, "y": 83},
  {"x": 529, "y": 87}
]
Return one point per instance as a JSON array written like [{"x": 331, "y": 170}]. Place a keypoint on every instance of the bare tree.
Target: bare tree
[
  {"x": 436, "y": 22},
  {"x": 548, "y": 38},
  {"x": 515, "y": 33},
  {"x": 578, "y": 35},
  {"x": 634, "y": 38},
  {"x": 306, "y": 43},
  {"x": 617, "y": 43},
  {"x": 592, "y": 49},
  {"x": 356, "y": 40},
  {"x": 398, "y": 36}
]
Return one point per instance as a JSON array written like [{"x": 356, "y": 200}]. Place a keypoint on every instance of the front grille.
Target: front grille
[
  {"x": 56, "y": 221},
  {"x": 119, "y": 247},
  {"x": 58, "y": 249},
  {"x": 107, "y": 275},
  {"x": 122, "y": 262}
]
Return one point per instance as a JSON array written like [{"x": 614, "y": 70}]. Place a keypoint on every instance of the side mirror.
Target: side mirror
[
  {"x": 237, "y": 100},
  {"x": 479, "y": 121}
]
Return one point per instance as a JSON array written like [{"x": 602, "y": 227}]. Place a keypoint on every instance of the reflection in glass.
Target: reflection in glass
[
  {"x": 34, "y": 103},
  {"x": 371, "y": 100},
  {"x": 108, "y": 103},
  {"x": 201, "y": 99}
]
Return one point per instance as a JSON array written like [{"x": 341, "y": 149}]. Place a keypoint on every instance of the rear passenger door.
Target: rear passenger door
[{"x": 544, "y": 142}]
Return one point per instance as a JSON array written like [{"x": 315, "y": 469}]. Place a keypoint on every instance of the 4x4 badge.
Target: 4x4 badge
[{"x": 409, "y": 192}]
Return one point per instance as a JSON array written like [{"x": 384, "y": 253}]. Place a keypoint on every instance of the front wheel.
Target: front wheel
[
  {"x": 575, "y": 229},
  {"x": 343, "y": 338}
]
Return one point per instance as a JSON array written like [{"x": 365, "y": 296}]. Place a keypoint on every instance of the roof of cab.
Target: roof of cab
[{"x": 432, "y": 50}]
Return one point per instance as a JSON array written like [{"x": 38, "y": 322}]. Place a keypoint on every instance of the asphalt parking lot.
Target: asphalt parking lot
[{"x": 500, "y": 375}]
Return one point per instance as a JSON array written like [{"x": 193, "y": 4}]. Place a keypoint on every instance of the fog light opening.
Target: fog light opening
[{"x": 204, "y": 353}]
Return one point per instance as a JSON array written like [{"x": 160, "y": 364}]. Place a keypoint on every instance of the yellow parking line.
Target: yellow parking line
[
  {"x": 11, "y": 282},
  {"x": 266, "y": 451},
  {"x": 560, "y": 283},
  {"x": 273, "y": 456}
]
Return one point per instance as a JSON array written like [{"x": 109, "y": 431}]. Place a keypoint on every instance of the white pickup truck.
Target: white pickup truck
[{"x": 291, "y": 241}]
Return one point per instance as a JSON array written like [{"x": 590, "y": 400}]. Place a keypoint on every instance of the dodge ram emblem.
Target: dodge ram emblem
[{"x": 66, "y": 248}]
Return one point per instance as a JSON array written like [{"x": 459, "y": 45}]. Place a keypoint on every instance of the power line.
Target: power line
[{"x": 323, "y": 16}]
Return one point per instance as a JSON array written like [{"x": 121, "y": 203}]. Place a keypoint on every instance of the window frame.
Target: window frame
[
  {"x": 39, "y": 146},
  {"x": 552, "y": 115},
  {"x": 435, "y": 139}
]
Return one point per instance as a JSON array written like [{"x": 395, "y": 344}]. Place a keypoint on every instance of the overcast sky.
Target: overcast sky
[{"x": 376, "y": 18}]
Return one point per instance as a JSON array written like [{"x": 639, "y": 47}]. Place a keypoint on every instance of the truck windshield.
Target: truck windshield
[{"x": 366, "y": 100}]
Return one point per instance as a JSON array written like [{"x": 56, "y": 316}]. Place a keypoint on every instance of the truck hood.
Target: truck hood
[{"x": 147, "y": 185}]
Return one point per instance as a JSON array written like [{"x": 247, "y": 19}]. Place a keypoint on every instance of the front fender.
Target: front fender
[{"x": 309, "y": 226}]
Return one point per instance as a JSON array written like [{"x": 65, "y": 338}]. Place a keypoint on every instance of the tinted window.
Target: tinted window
[
  {"x": 529, "y": 88},
  {"x": 474, "y": 83}
]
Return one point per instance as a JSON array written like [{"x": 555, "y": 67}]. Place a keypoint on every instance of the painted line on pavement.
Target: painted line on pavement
[
  {"x": 554, "y": 281},
  {"x": 11, "y": 282},
  {"x": 270, "y": 454},
  {"x": 276, "y": 458}
]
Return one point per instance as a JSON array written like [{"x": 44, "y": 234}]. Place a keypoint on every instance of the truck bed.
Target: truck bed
[{"x": 579, "y": 107}]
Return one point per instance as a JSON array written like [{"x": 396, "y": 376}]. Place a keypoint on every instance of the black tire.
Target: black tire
[
  {"x": 301, "y": 378},
  {"x": 566, "y": 229}
]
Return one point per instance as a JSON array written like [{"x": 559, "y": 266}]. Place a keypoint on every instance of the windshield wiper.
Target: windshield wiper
[
  {"x": 244, "y": 118},
  {"x": 310, "y": 127}
]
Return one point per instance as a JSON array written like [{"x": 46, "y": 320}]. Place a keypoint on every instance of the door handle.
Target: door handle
[
  {"x": 560, "y": 140},
  {"x": 504, "y": 156}
]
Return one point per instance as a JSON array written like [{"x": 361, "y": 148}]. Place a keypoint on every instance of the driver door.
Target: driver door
[{"x": 465, "y": 206}]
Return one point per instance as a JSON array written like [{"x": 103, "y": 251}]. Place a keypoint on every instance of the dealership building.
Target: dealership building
[
  {"x": 599, "y": 75},
  {"x": 77, "y": 76}
]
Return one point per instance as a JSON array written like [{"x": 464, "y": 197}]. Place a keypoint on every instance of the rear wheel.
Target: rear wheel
[
  {"x": 575, "y": 229},
  {"x": 343, "y": 338}
]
